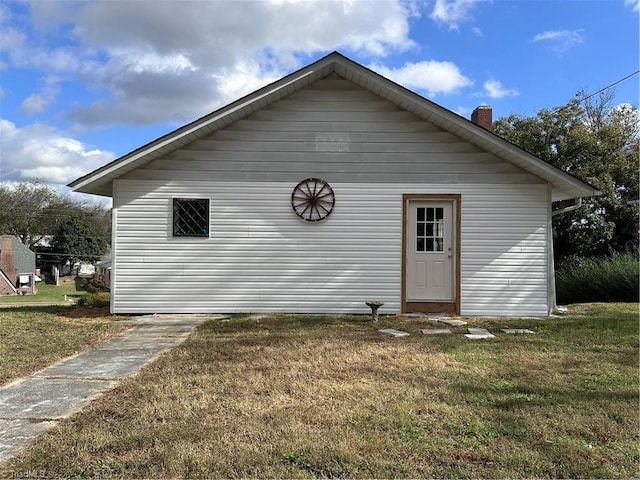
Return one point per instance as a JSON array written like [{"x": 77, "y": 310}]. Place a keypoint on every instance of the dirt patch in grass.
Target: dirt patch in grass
[
  {"x": 314, "y": 396},
  {"x": 91, "y": 315},
  {"x": 33, "y": 337}
]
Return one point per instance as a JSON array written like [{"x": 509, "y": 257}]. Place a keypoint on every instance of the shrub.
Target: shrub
[
  {"x": 95, "y": 284},
  {"x": 94, "y": 300},
  {"x": 607, "y": 279}
]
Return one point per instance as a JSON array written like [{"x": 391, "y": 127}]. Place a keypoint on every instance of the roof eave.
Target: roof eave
[{"x": 564, "y": 185}]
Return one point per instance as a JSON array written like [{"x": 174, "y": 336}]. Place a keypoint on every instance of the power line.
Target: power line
[
  {"x": 580, "y": 100},
  {"x": 609, "y": 86},
  {"x": 66, "y": 254}
]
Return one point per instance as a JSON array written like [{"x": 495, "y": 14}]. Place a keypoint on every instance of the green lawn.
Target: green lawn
[
  {"x": 33, "y": 337},
  {"x": 46, "y": 293},
  {"x": 292, "y": 396}
]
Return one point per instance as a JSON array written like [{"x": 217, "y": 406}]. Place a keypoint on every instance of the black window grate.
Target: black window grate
[{"x": 190, "y": 217}]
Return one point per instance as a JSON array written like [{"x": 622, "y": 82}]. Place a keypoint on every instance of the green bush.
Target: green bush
[
  {"x": 608, "y": 279},
  {"x": 96, "y": 284},
  {"x": 94, "y": 300}
]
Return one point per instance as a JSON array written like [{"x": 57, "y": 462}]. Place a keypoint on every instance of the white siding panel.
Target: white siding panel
[
  {"x": 260, "y": 257},
  {"x": 341, "y": 132}
]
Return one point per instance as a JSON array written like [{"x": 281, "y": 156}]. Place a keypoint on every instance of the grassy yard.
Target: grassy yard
[
  {"x": 46, "y": 293},
  {"x": 320, "y": 396},
  {"x": 33, "y": 337}
]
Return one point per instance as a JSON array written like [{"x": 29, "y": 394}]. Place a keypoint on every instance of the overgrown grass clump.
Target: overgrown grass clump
[{"x": 608, "y": 279}]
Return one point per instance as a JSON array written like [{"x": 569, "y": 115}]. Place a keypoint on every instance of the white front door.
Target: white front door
[{"x": 430, "y": 254}]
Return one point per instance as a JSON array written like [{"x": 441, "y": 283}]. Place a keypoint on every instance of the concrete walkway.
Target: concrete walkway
[{"x": 31, "y": 405}]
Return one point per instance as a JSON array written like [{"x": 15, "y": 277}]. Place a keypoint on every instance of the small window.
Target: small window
[
  {"x": 190, "y": 217},
  {"x": 429, "y": 229}
]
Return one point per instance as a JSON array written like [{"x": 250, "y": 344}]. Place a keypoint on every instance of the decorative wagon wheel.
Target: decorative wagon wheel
[{"x": 313, "y": 199}]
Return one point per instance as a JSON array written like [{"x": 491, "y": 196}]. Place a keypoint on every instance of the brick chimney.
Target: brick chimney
[
  {"x": 483, "y": 116},
  {"x": 6, "y": 259}
]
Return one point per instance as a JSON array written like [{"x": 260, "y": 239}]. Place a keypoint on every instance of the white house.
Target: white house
[{"x": 328, "y": 188}]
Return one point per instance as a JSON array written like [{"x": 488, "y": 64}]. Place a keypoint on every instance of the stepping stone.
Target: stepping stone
[
  {"x": 392, "y": 332},
  {"x": 435, "y": 331},
  {"x": 517, "y": 330},
  {"x": 453, "y": 323},
  {"x": 478, "y": 331},
  {"x": 478, "y": 334}
]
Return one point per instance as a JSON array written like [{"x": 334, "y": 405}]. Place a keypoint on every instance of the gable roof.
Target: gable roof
[
  {"x": 24, "y": 259},
  {"x": 563, "y": 185}
]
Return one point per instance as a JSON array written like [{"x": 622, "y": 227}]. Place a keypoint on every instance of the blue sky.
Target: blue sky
[{"x": 84, "y": 82}]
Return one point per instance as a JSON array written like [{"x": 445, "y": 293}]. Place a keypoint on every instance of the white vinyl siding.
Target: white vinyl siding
[
  {"x": 339, "y": 132},
  {"x": 260, "y": 257}
]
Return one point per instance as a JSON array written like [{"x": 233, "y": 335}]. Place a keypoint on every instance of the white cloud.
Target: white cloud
[
  {"x": 12, "y": 39},
  {"x": 494, "y": 89},
  {"x": 464, "y": 111},
  {"x": 246, "y": 77},
  {"x": 633, "y": 4},
  {"x": 39, "y": 152},
  {"x": 34, "y": 103},
  {"x": 477, "y": 32},
  {"x": 21, "y": 54},
  {"x": 38, "y": 102},
  {"x": 152, "y": 68},
  {"x": 431, "y": 76},
  {"x": 452, "y": 12},
  {"x": 561, "y": 40}
]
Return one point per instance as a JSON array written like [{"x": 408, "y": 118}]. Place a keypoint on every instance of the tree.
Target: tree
[
  {"x": 77, "y": 240},
  {"x": 33, "y": 210},
  {"x": 95, "y": 214},
  {"x": 597, "y": 143},
  {"x": 23, "y": 211}
]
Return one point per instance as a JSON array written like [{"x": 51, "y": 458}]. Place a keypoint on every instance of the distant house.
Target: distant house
[
  {"x": 331, "y": 187},
  {"x": 17, "y": 267},
  {"x": 103, "y": 267}
]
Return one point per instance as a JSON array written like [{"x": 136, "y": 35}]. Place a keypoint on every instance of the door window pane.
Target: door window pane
[{"x": 429, "y": 229}]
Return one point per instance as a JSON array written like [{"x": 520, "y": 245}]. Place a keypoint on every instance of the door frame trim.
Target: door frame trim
[{"x": 436, "y": 306}]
